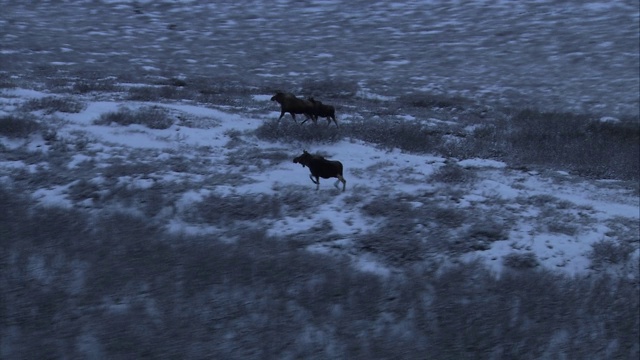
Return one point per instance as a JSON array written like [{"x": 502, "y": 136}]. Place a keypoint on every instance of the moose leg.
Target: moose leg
[
  {"x": 281, "y": 115},
  {"x": 313, "y": 118},
  {"x": 340, "y": 179},
  {"x": 316, "y": 181},
  {"x": 294, "y": 117},
  {"x": 334, "y": 120}
]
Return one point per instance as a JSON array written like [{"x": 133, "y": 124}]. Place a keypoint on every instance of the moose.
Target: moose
[
  {"x": 322, "y": 110},
  {"x": 321, "y": 168},
  {"x": 289, "y": 103}
]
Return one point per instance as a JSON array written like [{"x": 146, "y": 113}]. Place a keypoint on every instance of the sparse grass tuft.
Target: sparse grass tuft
[
  {"x": 263, "y": 159},
  {"x": 526, "y": 260},
  {"x": 394, "y": 133},
  {"x": 330, "y": 88},
  {"x": 51, "y": 104},
  {"x": 155, "y": 93},
  {"x": 14, "y": 126},
  {"x": 539, "y": 200},
  {"x": 153, "y": 117},
  {"x": 608, "y": 252},
  {"x": 489, "y": 231},
  {"x": 173, "y": 81},
  {"x": 563, "y": 226},
  {"x": 82, "y": 190},
  {"x": 453, "y": 173},
  {"x": 426, "y": 100},
  {"x": 576, "y": 142},
  {"x": 478, "y": 237},
  {"x": 286, "y": 130},
  {"x": 394, "y": 250},
  {"x": 624, "y": 229},
  {"x": 87, "y": 86},
  {"x": 450, "y": 217},
  {"x": 388, "y": 207},
  {"x": 6, "y": 82},
  {"x": 129, "y": 168},
  {"x": 217, "y": 209}
]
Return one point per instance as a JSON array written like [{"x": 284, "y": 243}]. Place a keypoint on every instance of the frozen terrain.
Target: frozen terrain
[
  {"x": 557, "y": 55},
  {"x": 554, "y": 215},
  {"x": 149, "y": 205}
]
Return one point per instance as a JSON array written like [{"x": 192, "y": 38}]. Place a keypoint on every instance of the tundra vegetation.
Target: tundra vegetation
[
  {"x": 117, "y": 252},
  {"x": 119, "y": 284}
]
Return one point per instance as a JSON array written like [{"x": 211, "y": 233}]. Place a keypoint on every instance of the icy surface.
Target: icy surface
[{"x": 559, "y": 55}]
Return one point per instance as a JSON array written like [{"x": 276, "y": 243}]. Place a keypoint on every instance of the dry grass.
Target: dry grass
[{"x": 153, "y": 117}]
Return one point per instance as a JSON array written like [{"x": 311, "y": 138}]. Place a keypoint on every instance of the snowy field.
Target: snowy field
[
  {"x": 161, "y": 111},
  {"x": 553, "y": 214},
  {"x": 558, "y": 55}
]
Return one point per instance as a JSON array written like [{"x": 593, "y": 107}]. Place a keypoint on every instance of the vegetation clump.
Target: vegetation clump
[{"x": 152, "y": 117}]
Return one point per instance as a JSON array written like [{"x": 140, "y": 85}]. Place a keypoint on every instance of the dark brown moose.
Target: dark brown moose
[
  {"x": 289, "y": 103},
  {"x": 321, "y": 168}
]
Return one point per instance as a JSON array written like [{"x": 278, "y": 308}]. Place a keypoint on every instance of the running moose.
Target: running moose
[
  {"x": 321, "y": 168},
  {"x": 289, "y": 103}
]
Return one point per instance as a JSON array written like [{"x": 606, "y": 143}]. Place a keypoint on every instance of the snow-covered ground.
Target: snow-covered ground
[
  {"x": 554, "y": 215},
  {"x": 164, "y": 216},
  {"x": 562, "y": 56},
  {"x": 557, "y": 55}
]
